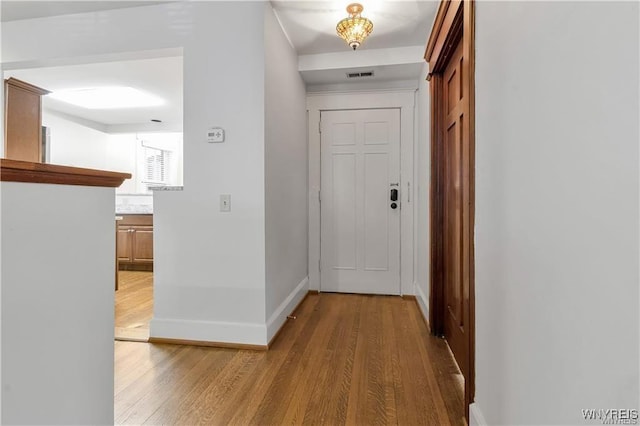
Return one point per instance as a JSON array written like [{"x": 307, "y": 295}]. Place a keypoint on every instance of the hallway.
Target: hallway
[{"x": 345, "y": 359}]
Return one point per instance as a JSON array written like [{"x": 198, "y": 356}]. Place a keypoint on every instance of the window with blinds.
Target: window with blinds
[{"x": 156, "y": 164}]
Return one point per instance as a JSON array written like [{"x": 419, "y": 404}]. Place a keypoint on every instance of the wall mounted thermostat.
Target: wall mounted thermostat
[{"x": 215, "y": 134}]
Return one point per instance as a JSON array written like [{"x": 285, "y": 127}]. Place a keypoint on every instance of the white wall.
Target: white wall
[
  {"x": 423, "y": 173},
  {"x": 209, "y": 266},
  {"x": 556, "y": 210},
  {"x": 72, "y": 144},
  {"x": 286, "y": 170},
  {"x": 57, "y": 304},
  {"x": 75, "y": 144},
  {"x": 122, "y": 157}
]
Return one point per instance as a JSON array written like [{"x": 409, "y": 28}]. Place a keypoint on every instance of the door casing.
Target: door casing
[{"x": 454, "y": 24}]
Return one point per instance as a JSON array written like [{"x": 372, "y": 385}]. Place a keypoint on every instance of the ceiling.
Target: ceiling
[
  {"x": 161, "y": 77},
  {"x": 13, "y": 10},
  {"x": 311, "y": 25}
]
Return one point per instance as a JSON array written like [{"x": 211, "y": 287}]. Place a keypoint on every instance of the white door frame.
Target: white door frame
[{"x": 403, "y": 99}]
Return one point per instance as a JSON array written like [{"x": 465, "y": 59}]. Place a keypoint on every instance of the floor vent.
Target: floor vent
[{"x": 360, "y": 74}]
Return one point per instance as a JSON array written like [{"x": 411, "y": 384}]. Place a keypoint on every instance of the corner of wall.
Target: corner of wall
[
  {"x": 423, "y": 302},
  {"x": 277, "y": 320},
  {"x": 475, "y": 416}
]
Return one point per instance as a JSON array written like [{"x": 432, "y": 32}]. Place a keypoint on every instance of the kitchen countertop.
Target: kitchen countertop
[{"x": 134, "y": 209}]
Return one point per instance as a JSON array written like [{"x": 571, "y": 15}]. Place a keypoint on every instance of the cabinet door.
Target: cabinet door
[
  {"x": 124, "y": 244},
  {"x": 23, "y": 133},
  {"x": 142, "y": 244}
]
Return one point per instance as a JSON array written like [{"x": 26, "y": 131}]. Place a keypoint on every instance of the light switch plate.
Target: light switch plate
[
  {"x": 225, "y": 202},
  {"x": 215, "y": 135}
]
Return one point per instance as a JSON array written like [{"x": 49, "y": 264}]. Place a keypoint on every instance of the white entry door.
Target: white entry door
[{"x": 360, "y": 223}]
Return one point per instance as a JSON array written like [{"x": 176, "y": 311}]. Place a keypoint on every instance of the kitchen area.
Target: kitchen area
[
  {"x": 124, "y": 116},
  {"x": 134, "y": 271}
]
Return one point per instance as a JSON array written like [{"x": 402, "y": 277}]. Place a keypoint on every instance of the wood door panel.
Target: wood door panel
[
  {"x": 452, "y": 89},
  {"x": 451, "y": 57},
  {"x": 23, "y": 121},
  {"x": 142, "y": 244},
  {"x": 23, "y": 125},
  {"x": 124, "y": 244},
  {"x": 454, "y": 282}
]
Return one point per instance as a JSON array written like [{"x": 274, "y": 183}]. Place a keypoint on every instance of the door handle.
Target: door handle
[{"x": 394, "y": 195}]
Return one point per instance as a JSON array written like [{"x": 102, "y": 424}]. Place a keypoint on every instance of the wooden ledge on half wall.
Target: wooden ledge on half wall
[{"x": 25, "y": 171}]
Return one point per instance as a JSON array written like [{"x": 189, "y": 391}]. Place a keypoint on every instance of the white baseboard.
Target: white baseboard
[
  {"x": 209, "y": 331},
  {"x": 475, "y": 416},
  {"x": 229, "y": 332},
  {"x": 286, "y": 307},
  {"x": 423, "y": 302}
]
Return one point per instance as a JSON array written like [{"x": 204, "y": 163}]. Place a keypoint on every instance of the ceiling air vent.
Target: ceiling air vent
[{"x": 360, "y": 74}]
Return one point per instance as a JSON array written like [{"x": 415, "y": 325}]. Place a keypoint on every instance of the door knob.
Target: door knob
[{"x": 394, "y": 206}]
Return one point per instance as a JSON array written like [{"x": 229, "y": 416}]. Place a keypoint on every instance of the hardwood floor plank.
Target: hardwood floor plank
[
  {"x": 345, "y": 360},
  {"x": 130, "y": 397},
  {"x": 329, "y": 397},
  {"x": 215, "y": 396},
  {"x": 141, "y": 358},
  {"x": 259, "y": 384},
  {"x": 300, "y": 365},
  {"x": 311, "y": 377},
  {"x": 417, "y": 324},
  {"x": 147, "y": 403},
  {"x": 134, "y": 305},
  {"x": 191, "y": 387}
]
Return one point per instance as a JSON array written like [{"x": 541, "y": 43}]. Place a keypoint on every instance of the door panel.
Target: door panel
[
  {"x": 143, "y": 244},
  {"x": 376, "y": 212},
  {"x": 344, "y": 207},
  {"x": 360, "y": 232},
  {"x": 124, "y": 244},
  {"x": 454, "y": 293}
]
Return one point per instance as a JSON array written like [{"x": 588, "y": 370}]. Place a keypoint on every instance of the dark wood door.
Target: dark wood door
[
  {"x": 456, "y": 288},
  {"x": 123, "y": 244},
  {"x": 142, "y": 250}
]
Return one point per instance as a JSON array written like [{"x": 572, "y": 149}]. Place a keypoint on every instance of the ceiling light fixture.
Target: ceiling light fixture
[
  {"x": 107, "y": 97},
  {"x": 355, "y": 28}
]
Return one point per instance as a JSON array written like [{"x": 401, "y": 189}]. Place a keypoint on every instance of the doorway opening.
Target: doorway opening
[
  {"x": 126, "y": 116},
  {"x": 450, "y": 54}
]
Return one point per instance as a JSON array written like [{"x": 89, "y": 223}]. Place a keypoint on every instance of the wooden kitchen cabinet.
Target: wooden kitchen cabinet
[
  {"x": 135, "y": 242},
  {"x": 23, "y": 121}
]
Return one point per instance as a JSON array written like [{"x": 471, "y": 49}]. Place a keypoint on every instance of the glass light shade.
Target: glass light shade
[{"x": 355, "y": 28}]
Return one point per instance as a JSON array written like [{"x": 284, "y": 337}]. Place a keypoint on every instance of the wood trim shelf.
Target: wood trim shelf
[{"x": 25, "y": 171}]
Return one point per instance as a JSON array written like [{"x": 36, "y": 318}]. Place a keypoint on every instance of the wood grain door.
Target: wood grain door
[
  {"x": 456, "y": 291},
  {"x": 142, "y": 244},
  {"x": 451, "y": 57},
  {"x": 123, "y": 244}
]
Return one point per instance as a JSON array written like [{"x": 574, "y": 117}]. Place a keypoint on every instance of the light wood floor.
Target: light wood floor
[
  {"x": 345, "y": 359},
  {"x": 134, "y": 305}
]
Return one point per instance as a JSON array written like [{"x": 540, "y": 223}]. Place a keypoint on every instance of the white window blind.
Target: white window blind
[{"x": 156, "y": 163}]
